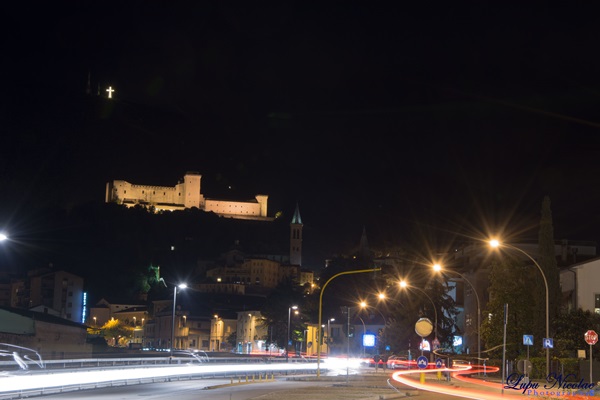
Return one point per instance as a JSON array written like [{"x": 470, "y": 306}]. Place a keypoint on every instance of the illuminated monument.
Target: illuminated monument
[{"x": 186, "y": 194}]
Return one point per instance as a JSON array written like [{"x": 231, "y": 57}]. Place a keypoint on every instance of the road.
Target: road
[{"x": 219, "y": 389}]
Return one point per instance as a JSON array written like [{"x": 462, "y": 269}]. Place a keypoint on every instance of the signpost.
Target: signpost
[
  {"x": 591, "y": 338},
  {"x": 423, "y": 328},
  {"x": 439, "y": 364},
  {"x": 527, "y": 341}
]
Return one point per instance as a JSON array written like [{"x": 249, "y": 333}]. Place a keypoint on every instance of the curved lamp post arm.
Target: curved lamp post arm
[
  {"x": 359, "y": 271},
  {"x": 432, "y": 303},
  {"x": 478, "y": 310},
  {"x": 547, "y": 298}
]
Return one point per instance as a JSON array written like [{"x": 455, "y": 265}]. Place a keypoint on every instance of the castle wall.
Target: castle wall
[
  {"x": 232, "y": 207},
  {"x": 186, "y": 194},
  {"x": 125, "y": 192}
]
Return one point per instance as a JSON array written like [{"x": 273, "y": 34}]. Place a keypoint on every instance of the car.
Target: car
[
  {"x": 398, "y": 362},
  {"x": 460, "y": 362}
]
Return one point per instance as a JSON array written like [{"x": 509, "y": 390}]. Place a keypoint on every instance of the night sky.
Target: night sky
[{"x": 432, "y": 121}]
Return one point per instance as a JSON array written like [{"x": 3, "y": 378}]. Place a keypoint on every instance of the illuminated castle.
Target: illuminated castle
[{"x": 186, "y": 194}]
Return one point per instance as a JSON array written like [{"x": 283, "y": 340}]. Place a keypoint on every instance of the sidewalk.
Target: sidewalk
[{"x": 368, "y": 385}]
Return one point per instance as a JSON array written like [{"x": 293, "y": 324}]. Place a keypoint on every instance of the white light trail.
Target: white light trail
[{"x": 9, "y": 383}]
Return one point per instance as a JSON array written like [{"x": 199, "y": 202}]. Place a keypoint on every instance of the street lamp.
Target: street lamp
[
  {"x": 287, "y": 344},
  {"x": 364, "y": 333},
  {"x": 180, "y": 286},
  {"x": 403, "y": 285},
  {"x": 438, "y": 268},
  {"x": 328, "y": 334},
  {"x": 494, "y": 243},
  {"x": 3, "y": 237}
]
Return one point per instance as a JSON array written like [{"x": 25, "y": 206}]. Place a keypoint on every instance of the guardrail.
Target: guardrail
[{"x": 148, "y": 361}]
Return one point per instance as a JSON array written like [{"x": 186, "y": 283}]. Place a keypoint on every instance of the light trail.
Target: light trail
[
  {"x": 17, "y": 382},
  {"x": 490, "y": 390}
]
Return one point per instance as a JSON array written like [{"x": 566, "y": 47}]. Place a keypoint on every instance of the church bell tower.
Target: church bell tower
[{"x": 296, "y": 238}]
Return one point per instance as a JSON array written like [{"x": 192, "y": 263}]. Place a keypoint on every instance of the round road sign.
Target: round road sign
[{"x": 591, "y": 337}]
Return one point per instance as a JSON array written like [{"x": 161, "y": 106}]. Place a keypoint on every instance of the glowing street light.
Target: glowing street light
[
  {"x": 438, "y": 268},
  {"x": 287, "y": 344},
  {"x": 180, "y": 286},
  {"x": 494, "y": 243},
  {"x": 3, "y": 237}
]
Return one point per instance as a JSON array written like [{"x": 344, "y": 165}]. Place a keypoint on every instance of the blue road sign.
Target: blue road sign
[
  {"x": 548, "y": 343},
  {"x": 439, "y": 363},
  {"x": 422, "y": 362},
  {"x": 528, "y": 340}
]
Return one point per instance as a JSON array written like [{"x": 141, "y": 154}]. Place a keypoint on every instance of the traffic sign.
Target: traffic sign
[
  {"x": 528, "y": 340},
  {"x": 435, "y": 344},
  {"x": 422, "y": 362},
  {"x": 439, "y": 363},
  {"x": 548, "y": 343},
  {"x": 591, "y": 337}
]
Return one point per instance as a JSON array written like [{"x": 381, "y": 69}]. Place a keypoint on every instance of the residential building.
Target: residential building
[
  {"x": 105, "y": 310},
  {"x": 251, "y": 333},
  {"x": 580, "y": 285},
  {"x": 59, "y": 293}
]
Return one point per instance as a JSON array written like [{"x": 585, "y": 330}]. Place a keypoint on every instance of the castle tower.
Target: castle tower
[
  {"x": 191, "y": 190},
  {"x": 296, "y": 238}
]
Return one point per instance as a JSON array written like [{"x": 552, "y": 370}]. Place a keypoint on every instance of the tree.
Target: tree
[
  {"x": 509, "y": 284},
  {"x": 231, "y": 340},
  {"x": 547, "y": 261},
  {"x": 276, "y": 311},
  {"x": 117, "y": 332},
  {"x": 569, "y": 328}
]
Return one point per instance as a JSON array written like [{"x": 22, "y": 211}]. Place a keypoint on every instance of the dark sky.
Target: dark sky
[{"x": 406, "y": 119}]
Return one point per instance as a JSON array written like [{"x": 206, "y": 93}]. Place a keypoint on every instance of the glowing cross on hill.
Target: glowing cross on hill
[{"x": 110, "y": 91}]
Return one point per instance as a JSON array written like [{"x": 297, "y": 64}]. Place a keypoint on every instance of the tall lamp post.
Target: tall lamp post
[
  {"x": 364, "y": 306},
  {"x": 438, "y": 268},
  {"x": 496, "y": 244},
  {"x": 403, "y": 284},
  {"x": 358, "y": 271},
  {"x": 328, "y": 334},
  {"x": 180, "y": 286},
  {"x": 287, "y": 344},
  {"x": 364, "y": 333}
]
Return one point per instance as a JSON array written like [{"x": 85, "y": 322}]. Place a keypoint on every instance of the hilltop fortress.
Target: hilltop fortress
[{"x": 186, "y": 194}]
